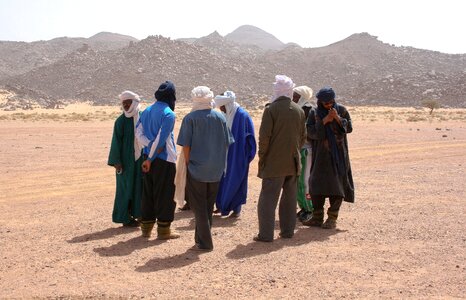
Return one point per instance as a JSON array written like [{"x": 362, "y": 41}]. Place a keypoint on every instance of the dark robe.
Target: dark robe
[
  {"x": 331, "y": 170},
  {"x": 129, "y": 183}
]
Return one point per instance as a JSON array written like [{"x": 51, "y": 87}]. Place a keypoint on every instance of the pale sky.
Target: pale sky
[{"x": 425, "y": 24}]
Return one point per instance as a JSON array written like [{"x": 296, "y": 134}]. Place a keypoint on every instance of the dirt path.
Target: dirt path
[{"x": 403, "y": 238}]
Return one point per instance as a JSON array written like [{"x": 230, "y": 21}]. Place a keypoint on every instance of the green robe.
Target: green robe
[{"x": 129, "y": 183}]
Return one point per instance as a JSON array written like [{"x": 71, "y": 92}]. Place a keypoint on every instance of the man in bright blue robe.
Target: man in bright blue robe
[{"x": 233, "y": 187}]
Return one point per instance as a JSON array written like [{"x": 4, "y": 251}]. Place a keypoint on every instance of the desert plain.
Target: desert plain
[{"x": 404, "y": 237}]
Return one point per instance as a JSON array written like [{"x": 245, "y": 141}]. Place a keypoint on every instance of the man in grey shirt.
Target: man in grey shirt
[{"x": 205, "y": 138}]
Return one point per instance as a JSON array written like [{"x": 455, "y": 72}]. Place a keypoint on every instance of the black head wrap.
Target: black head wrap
[
  {"x": 326, "y": 94},
  {"x": 166, "y": 93}
]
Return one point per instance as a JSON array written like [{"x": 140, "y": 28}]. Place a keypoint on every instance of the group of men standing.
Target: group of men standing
[{"x": 303, "y": 166}]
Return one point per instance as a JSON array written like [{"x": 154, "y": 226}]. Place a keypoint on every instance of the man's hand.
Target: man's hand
[
  {"x": 146, "y": 166},
  {"x": 118, "y": 168},
  {"x": 332, "y": 115}
]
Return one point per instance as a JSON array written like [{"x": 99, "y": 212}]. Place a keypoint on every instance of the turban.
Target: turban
[
  {"x": 166, "y": 93},
  {"x": 306, "y": 94},
  {"x": 326, "y": 94},
  {"x": 283, "y": 86},
  {"x": 133, "y": 110},
  {"x": 202, "y": 98},
  {"x": 128, "y": 95},
  {"x": 227, "y": 97}
]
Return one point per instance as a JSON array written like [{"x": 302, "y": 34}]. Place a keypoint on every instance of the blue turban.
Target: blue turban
[
  {"x": 166, "y": 93},
  {"x": 326, "y": 94}
]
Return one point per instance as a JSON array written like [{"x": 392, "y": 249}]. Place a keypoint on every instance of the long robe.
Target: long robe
[
  {"x": 325, "y": 179},
  {"x": 233, "y": 187},
  {"x": 128, "y": 193}
]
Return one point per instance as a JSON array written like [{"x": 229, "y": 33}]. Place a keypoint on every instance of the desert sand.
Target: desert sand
[{"x": 403, "y": 238}]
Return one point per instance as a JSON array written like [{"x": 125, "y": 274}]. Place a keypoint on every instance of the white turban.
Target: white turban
[
  {"x": 133, "y": 112},
  {"x": 202, "y": 98},
  {"x": 228, "y": 99},
  {"x": 134, "y": 108},
  {"x": 306, "y": 95},
  {"x": 283, "y": 86}
]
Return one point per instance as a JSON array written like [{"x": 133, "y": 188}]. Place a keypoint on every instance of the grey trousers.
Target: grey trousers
[
  {"x": 202, "y": 196},
  {"x": 268, "y": 199}
]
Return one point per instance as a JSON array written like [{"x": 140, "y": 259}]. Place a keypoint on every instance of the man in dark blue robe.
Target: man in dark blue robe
[{"x": 233, "y": 187}]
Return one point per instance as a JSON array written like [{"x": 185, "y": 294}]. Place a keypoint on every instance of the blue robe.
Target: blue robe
[{"x": 233, "y": 187}]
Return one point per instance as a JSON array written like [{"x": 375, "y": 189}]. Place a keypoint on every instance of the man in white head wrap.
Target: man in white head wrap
[
  {"x": 234, "y": 184},
  {"x": 302, "y": 96},
  {"x": 125, "y": 156},
  {"x": 205, "y": 138},
  {"x": 281, "y": 136},
  {"x": 282, "y": 87}
]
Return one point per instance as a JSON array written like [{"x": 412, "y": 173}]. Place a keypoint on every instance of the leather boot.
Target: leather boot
[
  {"x": 316, "y": 220},
  {"x": 146, "y": 228},
  {"x": 164, "y": 231},
  {"x": 331, "y": 222}
]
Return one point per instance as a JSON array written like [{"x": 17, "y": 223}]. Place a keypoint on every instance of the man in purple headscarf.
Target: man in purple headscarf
[{"x": 281, "y": 135}]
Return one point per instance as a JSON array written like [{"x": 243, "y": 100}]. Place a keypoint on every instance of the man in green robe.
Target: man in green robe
[{"x": 125, "y": 157}]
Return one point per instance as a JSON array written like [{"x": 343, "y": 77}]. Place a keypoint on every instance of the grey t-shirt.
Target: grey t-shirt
[{"x": 206, "y": 132}]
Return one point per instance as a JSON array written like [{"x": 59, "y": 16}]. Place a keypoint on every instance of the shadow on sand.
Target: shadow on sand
[
  {"x": 127, "y": 247},
  {"x": 172, "y": 262},
  {"x": 104, "y": 234},
  {"x": 302, "y": 236}
]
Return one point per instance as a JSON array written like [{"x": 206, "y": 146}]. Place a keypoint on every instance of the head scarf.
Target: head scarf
[
  {"x": 228, "y": 99},
  {"x": 133, "y": 112},
  {"x": 202, "y": 98},
  {"x": 283, "y": 86},
  {"x": 135, "y": 106},
  {"x": 306, "y": 94},
  {"x": 166, "y": 93},
  {"x": 325, "y": 94}
]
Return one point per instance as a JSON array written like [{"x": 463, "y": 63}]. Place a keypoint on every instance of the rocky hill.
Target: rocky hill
[
  {"x": 251, "y": 35},
  {"x": 362, "y": 69},
  {"x": 20, "y": 57}
]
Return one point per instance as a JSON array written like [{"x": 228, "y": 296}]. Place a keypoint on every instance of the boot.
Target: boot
[
  {"x": 164, "y": 232},
  {"x": 331, "y": 222},
  {"x": 316, "y": 220},
  {"x": 146, "y": 228}
]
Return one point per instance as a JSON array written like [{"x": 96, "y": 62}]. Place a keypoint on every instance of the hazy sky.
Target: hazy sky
[{"x": 426, "y": 24}]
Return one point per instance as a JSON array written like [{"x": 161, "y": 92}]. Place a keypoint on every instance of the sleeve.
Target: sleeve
[
  {"x": 186, "y": 133},
  {"x": 142, "y": 139},
  {"x": 250, "y": 140},
  {"x": 346, "y": 123},
  {"x": 168, "y": 123},
  {"x": 315, "y": 127},
  {"x": 265, "y": 133},
  {"x": 114, "y": 157}
]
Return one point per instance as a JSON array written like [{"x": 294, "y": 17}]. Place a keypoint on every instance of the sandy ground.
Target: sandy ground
[{"x": 403, "y": 238}]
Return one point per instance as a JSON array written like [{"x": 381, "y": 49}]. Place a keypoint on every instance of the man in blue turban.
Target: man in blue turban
[{"x": 331, "y": 177}]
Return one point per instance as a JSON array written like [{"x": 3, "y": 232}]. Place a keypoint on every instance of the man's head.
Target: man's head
[
  {"x": 326, "y": 97},
  {"x": 283, "y": 86},
  {"x": 127, "y": 98},
  {"x": 302, "y": 94},
  {"x": 126, "y": 104},
  {"x": 166, "y": 93},
  {"x": 221, "y": 101}
]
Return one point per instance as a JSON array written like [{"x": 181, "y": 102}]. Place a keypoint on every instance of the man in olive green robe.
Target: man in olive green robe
[{"x": 125, "y": 157}]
